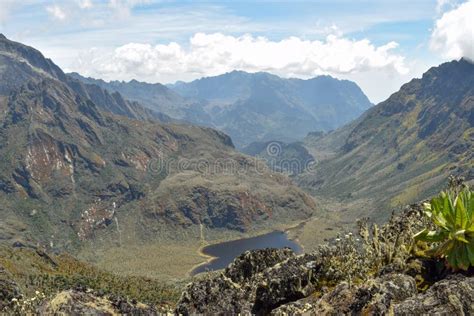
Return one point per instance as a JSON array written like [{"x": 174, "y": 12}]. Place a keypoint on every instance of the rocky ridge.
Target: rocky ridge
[{"x": 250, "y": 106}]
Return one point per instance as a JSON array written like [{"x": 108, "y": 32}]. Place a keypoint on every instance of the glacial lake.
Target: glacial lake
[{"x": 224, "y": 253}]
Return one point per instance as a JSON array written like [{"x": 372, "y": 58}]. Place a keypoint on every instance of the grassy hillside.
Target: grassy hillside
[
  {"x": 28, "y": 270},
  {"x": 403, "y": 148}
]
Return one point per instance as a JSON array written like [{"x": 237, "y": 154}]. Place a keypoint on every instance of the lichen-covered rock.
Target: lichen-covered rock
[
  {"x": 392, "y": 294},
  {"x": 234, "y": 290},
  {"x": 270, "y": 278},
  {"x": 285, "y": 282},
  {"x": 73, "y": 302},
  {"x": 250, "y": 263},
  {"x": 300, "y": 307},
  {"x": 452, "y": 296},
  {"x": 374, "y": 297},
  {"x": 216, "y": 296}
]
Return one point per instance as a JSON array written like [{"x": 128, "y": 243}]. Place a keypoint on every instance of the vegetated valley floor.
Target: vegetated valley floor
[{"x": 174, "y": 260}]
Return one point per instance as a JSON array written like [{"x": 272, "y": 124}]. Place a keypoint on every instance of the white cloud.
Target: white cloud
[
  {"x": 379, "y": 85},
  {"x": 212, "y": 54},
  {"x": 453, "y": 35},
  {"x": 85, "y": 4},
  {"x": 56, "y": 12}
]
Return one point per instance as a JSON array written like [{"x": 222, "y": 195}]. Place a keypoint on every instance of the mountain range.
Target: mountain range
[
  {"x": 251, "y": 107},
  {"x": 105, "y": 168},
  {"x": 85, "y": 166}
]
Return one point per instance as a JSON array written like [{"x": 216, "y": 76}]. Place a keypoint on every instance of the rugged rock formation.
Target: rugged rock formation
[
  {"x": 250, "y": 263},
  {"x": 452, "y": 296},
  {"x": 375, "y": 297},
  {"x": 294, "y": 287},
  {"x": 256, "y": 282}
]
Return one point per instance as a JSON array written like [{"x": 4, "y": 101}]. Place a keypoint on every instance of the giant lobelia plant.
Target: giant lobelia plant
[{"x": 452, "y": 213}]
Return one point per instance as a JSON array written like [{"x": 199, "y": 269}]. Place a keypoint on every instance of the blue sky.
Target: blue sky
[{"x": 379, "y": 44}]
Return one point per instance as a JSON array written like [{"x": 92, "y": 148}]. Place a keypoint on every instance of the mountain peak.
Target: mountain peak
[
  {"x": 20, "y": 63},
  {"x": 466, "y": 60}
]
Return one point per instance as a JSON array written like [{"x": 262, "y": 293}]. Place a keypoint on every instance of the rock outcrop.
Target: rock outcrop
[
  {"x": 278, "y": 282},
  {"x": 248, "y": 264},
  {"x": 452, "y": 296},
  {"x": 255, "y": 283},
  {"x": 374, "y": 297}
]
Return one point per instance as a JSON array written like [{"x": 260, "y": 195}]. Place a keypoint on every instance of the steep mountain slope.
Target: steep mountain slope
[
  {"x": 403, "y": 148},
  {"x": 115, "y": 103},
  {"x": 21, "y": 63},
  {"x": 155, "y": 97},
  {"x": 251, "y": 107},
  {"x": 74, "y": 175}
]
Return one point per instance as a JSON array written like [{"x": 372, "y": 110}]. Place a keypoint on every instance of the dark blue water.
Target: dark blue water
[{"x": 226, "y": 252}]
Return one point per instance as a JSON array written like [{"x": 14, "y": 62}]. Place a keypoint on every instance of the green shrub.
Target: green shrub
[{"x": 452, "y": 214}]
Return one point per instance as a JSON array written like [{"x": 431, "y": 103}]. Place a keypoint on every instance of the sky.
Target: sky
[{"x": 379, "y": 44}]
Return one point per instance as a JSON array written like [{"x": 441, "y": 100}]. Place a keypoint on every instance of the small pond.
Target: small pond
[{"x": 224, "y": 253}]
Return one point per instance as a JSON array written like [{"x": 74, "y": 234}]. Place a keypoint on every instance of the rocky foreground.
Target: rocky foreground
[
  {"x": 379, "y": 271},
  {"x": 278, "y": 282}
]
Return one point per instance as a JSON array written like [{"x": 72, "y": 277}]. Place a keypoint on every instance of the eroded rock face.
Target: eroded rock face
[
  {"x": 277, "y": 282},
  {"x": 452, "y": 296},
  {"x": 233, "y": 291},
  {"x": 374, "y": 297},
  {"x": 217, "y": 296},
  {"x": 248, "y": 264},
  {"x": 286, "y": 282},
  {"x": 255, "y": 283}
]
